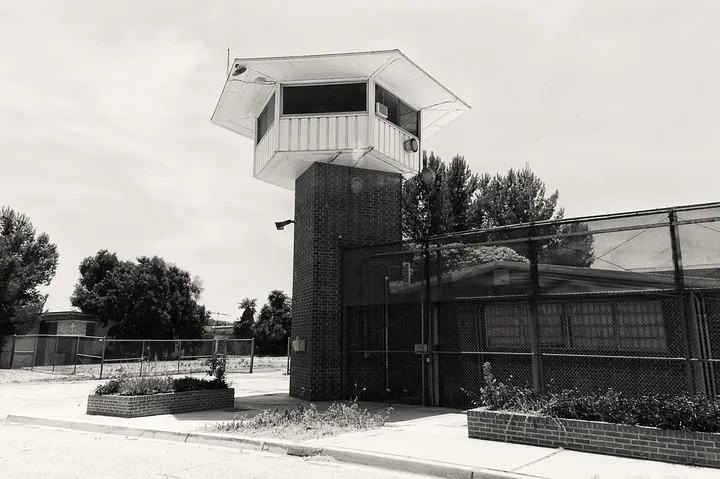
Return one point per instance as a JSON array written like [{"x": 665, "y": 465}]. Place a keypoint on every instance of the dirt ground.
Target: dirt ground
[{"x": 91, "y": 371}]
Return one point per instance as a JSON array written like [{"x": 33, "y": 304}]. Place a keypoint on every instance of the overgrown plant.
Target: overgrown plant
[
  {"x": 691, "y": 412},
  {"x": 306, "y": 419}
]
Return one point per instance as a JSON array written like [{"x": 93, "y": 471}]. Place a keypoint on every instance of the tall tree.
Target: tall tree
[
  {"x": 460, "y": 186},
  {"x": 521, "y": 197},
  {"x": 471, "y": 202},
  {"x": 243, "y": 327},
  {"x": 517, "y": 197},
  {"x": 27, "y": 261},
  {"x": 273, "y": 326},
  {"x": 149, "y": 298}
]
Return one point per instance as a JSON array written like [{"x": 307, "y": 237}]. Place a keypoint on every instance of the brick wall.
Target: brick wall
[
  {"x": 335, "y": 206},
  {"x": 682, "y": 447},
  {"x": 155, "y": 404}
]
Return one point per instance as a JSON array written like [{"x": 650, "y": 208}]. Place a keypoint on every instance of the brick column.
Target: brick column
[{"x": 334, "y": 206}]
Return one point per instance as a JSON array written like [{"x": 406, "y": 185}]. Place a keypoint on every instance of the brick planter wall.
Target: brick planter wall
[
  {"x": 682, "y": 447},
  {"x": 166, "y": 403}
]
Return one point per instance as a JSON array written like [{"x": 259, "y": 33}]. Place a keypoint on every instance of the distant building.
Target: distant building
[{"x": 71, "y": 323}]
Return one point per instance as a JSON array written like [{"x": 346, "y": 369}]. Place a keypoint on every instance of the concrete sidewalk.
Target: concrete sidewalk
[{"x": 429, "y": 440}]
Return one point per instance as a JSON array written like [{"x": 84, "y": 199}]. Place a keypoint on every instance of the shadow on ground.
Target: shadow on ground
[{"x": 254, "y": 404}]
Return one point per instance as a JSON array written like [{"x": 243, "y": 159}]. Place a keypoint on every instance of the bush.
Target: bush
[
  {"x": 145, "y": 386},
  {"x": 689, "y": 412},
  {"x": 195, "y": 384},
  {"x": 110, "y": 387},
  {"x": 157, "y": 385}
]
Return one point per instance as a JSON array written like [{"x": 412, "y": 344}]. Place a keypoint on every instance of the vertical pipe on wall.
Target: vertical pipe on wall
[
  {"x": 387, "y": 366},
  {"x": 425, "y": 316}
]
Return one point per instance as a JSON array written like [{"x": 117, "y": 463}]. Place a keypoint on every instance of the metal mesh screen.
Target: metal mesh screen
[{"x": 627, "y": 301}]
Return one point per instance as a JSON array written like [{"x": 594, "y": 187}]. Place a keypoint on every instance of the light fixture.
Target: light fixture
[
  {"x": 280, "y": 225},
  {"x": 428, "y": 176},
  {"x": 411, "y": 145},
  {"x": 239, "y": 70}
]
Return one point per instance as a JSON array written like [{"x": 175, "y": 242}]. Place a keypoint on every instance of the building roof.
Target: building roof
[
  {"x": 244, "y": 97},
  {"x": 68, "y": 316},
  {"x": 555, "y": 278}
]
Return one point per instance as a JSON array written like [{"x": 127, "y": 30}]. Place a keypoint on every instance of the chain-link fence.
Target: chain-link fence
[
  {"x": 107, "y": 357},
  {"x": 627, "y": 301}
]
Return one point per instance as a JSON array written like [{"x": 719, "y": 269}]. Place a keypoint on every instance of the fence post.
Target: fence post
[
  {"x": 252, "y": 354},
  {"x": 77, "y": 350},
  {"x": 214, "y": 351},
  {"x": 34, "y": 356},
  {"x": 142, "y": 356},
  {"x": 55, "y": 352},
  {"x": 178, "y": 346},
  {"x": 102, "y": 355},
  {"x": 12, "y": 353},
  {"x": 693, "y": 354},
  {"x": 536, "y": 347}
]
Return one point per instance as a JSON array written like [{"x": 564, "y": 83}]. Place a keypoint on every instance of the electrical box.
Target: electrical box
[{"x": 298, "y": 345}]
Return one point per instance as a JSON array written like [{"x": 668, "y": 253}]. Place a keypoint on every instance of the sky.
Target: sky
[{"x": 106, "y": 141}]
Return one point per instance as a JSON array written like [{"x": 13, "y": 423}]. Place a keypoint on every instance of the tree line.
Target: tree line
[{"x": 153, "y": 298}]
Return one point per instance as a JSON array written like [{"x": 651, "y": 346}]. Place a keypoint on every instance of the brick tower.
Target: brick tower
[{"x": 340, "y": 130}]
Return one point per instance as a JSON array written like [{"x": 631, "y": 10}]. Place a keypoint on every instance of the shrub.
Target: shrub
[
  {"x": 195, "y": 384},
  {"x": 155, "y": 385},
  {"x": 690, "y": 412},
  {"x": 110, "y": 387},
  {"x": 145, "y": 386}
]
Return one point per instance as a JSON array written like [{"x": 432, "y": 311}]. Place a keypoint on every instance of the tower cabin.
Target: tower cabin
[{"x": 369, "y": 110}]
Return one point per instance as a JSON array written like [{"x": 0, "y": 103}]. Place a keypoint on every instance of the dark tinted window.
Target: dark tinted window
[
  {"x": 307, "y": 100},
  {"x": 399, "y": 113},
  {"x": 265, "y": 120}
]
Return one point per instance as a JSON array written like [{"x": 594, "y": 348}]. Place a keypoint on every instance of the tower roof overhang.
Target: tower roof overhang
[{"x": 243, "y": 97}]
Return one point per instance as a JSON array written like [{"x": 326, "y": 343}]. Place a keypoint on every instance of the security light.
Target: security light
[
  {"x": 280, "y": 225},
  {"x": 411, "y": 145},
  {"x": 239, "y": 70},
  {"x": 428, "y": 176}
]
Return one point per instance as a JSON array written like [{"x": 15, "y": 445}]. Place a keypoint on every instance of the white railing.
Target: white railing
[
  {"x": 265, "y": 150},
  {"x": 325, "y": 132},
  {"x": 389, "y": 140}
]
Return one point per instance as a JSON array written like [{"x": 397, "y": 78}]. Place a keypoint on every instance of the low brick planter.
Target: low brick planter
[
  {"x": 166, "y": 403},
  {"x": 682, "y": 447}
]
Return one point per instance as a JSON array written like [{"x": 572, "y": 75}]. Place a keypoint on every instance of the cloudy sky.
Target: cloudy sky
[{"x": 106, "y": 141}]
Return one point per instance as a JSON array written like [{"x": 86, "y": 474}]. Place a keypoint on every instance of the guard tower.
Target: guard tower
[{"x": 340, "y": 130}]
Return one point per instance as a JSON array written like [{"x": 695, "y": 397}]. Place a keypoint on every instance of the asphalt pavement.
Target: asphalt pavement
[{"x": 32, "y": 452}]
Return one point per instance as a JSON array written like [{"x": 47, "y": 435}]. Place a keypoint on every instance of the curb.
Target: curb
[{"x": 279, "y": 446}]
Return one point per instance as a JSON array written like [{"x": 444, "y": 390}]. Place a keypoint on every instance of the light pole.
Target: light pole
[{"x": 432, "y": 179}]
